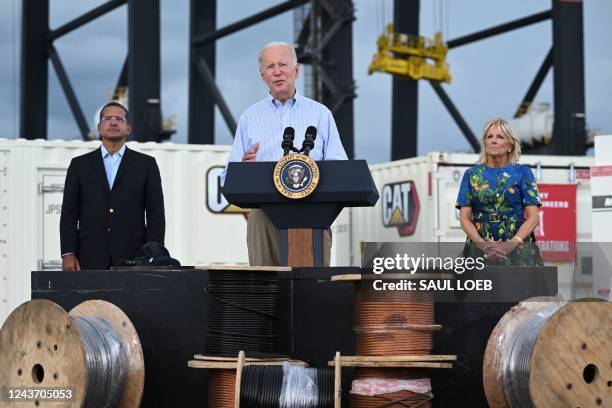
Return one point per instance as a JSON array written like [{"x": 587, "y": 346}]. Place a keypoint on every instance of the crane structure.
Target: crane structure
[
  {"x": 565, "y": 58},
  {"x": 324, "y": 42},
  {"x": 407, "y": 56}
]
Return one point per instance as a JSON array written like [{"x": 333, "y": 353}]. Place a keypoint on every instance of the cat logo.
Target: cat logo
[
  {"x": 400, "y": 207},
  {"x": 602, "y": 203},
  {"x": 215, "y": 201}
]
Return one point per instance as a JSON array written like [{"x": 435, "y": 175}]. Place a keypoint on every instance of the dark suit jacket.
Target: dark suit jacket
[{"x": 103, "y": 226}]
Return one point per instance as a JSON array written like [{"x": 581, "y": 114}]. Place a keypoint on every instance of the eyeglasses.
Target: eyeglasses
[{"x": 119, "y": 119}]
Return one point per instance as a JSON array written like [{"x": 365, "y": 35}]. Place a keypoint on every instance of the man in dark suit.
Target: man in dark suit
[{"x": 107, "y": 196}]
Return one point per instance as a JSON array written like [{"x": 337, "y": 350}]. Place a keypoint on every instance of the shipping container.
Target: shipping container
[
  {"x": 417, "y": 198},
  {"x": 416, "y": 205},
  {"x": 201, "y": 227},
  {"x": 601, "y": 183}
]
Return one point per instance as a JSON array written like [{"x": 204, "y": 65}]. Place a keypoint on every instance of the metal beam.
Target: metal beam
[
  {"x": 535, "y": 86},
  {"x": 500, "y": 29},
  {"x": 122, "y": 82},
  {"x": 73, "y": 102},
  {"x": 144, "y": 69},
  {"x": 454, "y": 112},
  {"x": 313, "y": 78},
  {"x": 249, "y": 21},
  {"x": 337, "y": 65},
  {"x": 34, "y": 78},
  {"x": 201, "y": 116},
  {"x": 302, "y": 38},
  {"x": 405, "y": 92},
  {"x": 209, "y": 80},
  {"x": 85, "y": 18},
  {"x": 569, "y": 133}
]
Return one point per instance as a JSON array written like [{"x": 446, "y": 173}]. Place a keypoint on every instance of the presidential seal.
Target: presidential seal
[{"x": 296, "y": 176}]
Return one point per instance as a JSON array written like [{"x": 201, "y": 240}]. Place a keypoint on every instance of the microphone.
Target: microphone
[
  {"x": 309, "y": 138},
  {"x": 287, "y": 143}
]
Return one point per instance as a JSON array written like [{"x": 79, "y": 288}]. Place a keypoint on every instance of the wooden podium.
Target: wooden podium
[{"x": 342, "y": 183}]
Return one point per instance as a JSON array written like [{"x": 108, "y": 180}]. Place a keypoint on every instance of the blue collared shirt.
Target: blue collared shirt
[
  {"x": 111, "y": 163},
  {"x": 265, "y": 121}
]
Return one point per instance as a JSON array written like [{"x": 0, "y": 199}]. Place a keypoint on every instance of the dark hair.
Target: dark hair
[{"x": 117, "y": 104}]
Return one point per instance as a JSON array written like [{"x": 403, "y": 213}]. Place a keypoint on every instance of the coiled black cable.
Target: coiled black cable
[
  {"x": 242, "y": 310},
  {"x": 276, "y": 387}
]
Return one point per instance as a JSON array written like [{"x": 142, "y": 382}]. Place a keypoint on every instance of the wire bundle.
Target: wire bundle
[
  {"x": 105, "y": 359},
  {"x": 517, "y": 367},
  {"x": 276, "y": 387},
  {"x": 548, "y": 352},
  {"x": 400, "y": 323},
  {"x": 391, "y": 323},
  {"x": 242, "y": 313},
  {"x": 389, "y": 373},
  {"x": 392, "y": 400},
  {"x": 222, "y": 386},
  {"x": 261, "y": 386},
  {"x": 403, "y": 398}
]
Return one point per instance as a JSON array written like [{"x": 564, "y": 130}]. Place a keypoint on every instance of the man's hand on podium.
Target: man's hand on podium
[{"x": 251, "y": 154}]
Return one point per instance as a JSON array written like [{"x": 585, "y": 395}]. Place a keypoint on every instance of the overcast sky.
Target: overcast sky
[{"x": 489, "y": 77}]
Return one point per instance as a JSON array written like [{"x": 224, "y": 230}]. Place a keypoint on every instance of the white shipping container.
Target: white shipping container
[
  {"x": 601, "y": 175},
  {"x": 201, "y": 227},
  {"x": 32, "y": 177},
  {"x": 417, "y": 198}
]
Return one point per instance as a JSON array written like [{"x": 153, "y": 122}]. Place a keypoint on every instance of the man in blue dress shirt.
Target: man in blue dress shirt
[
  {"x": 260, "y": 133},
  {"x": 113, "y": 201}
]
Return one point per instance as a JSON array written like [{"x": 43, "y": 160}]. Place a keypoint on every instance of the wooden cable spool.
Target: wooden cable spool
[
  {"x": 225, "y": 375},
  {"x": 40, "y": 347},
  {"x": 545, "y": 353}
]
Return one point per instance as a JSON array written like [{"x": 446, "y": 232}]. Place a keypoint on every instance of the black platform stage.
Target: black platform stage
[{"x": 169, "y": 310}]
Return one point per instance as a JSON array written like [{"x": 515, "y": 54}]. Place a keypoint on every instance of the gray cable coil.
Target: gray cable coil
[
  {"x": 106, "y": 362},
  {"x": 516, "y": 369}
]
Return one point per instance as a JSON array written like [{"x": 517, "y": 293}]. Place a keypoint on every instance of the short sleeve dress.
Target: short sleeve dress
[{"x": 498, "y": 197}]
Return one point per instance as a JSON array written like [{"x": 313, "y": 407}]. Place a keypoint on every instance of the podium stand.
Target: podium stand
[{"x": 342, "y": 183}]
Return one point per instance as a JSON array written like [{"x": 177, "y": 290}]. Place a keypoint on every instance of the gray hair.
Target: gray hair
[
  {"x": 290, "y": 47},
  {"x": 507, "y": 131}
]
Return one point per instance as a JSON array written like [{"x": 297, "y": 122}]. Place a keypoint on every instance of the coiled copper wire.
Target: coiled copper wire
[
  {"x": 399, "y": 399},
  {"x": 389, "y": 372},
  {"x": 392, "y": 322},
  {"x": 221, "y": 388}
]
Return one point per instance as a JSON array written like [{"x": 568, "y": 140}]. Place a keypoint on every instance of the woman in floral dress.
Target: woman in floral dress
[{"x": 499, "y": 201}]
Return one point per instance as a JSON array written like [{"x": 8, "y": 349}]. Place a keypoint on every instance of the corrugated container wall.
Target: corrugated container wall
[
  {"x": 32, "y": 177},
  {"x": 417, "y": 198},
  {"x": 601, "y": 174}
]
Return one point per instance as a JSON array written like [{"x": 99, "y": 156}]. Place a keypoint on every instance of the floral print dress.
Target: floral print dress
[{"x": 498, "y": 197}]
